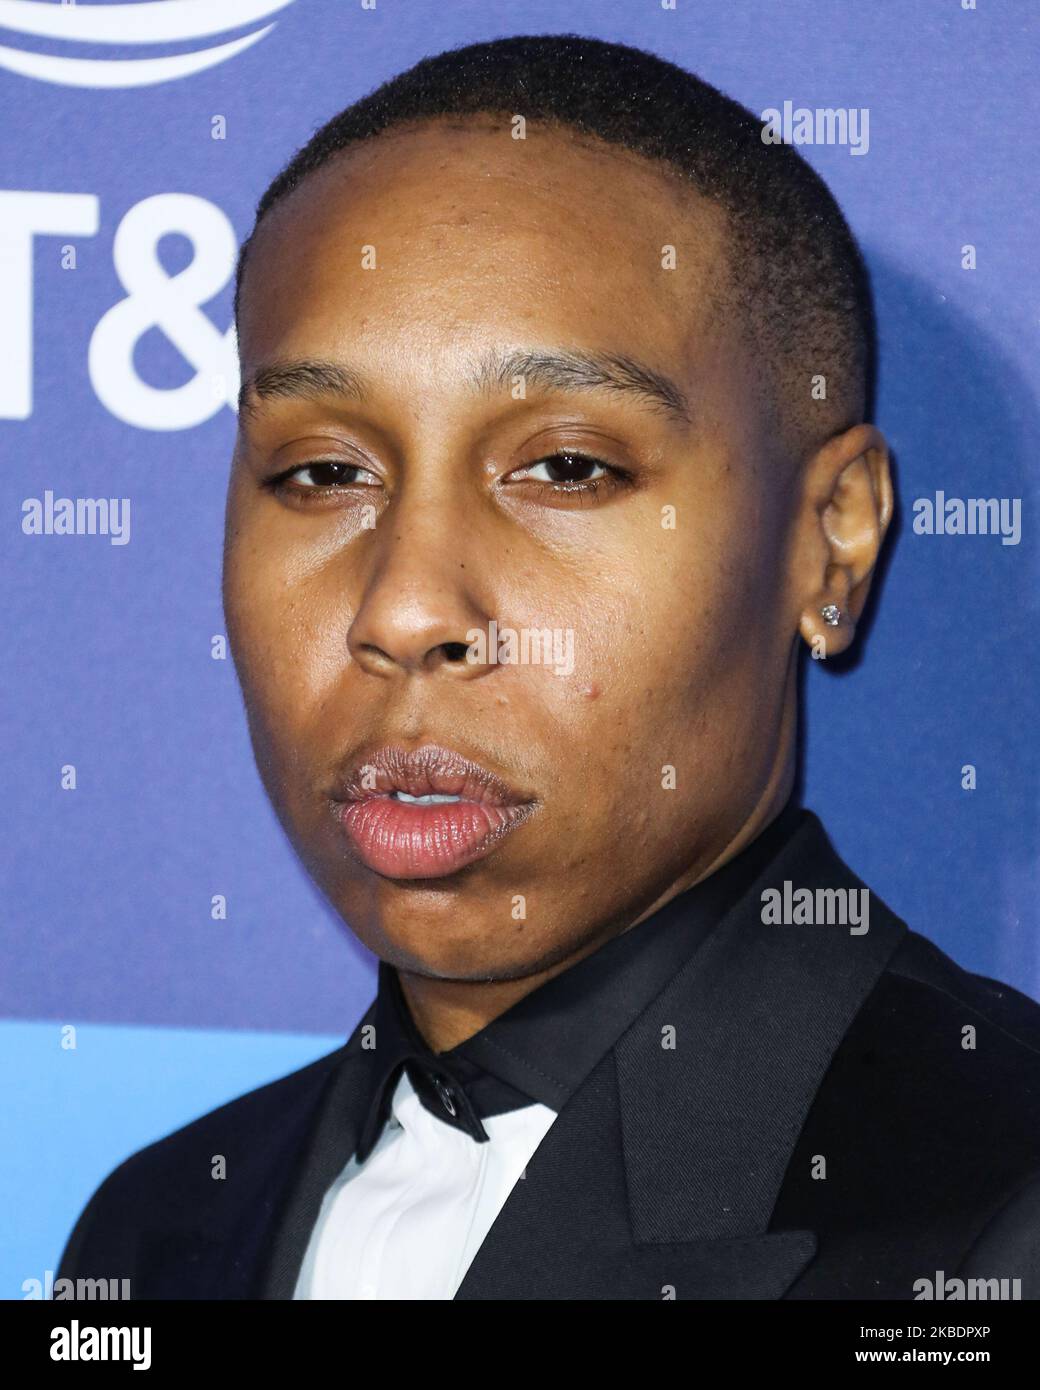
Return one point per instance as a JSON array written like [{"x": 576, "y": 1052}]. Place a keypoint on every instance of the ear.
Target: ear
[{"x": 846, "y": 510}]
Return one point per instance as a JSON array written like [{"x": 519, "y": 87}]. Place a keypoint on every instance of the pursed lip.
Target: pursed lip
[
  {"x": 426, "y": 771},
  {"x": 429, "y": 839}
]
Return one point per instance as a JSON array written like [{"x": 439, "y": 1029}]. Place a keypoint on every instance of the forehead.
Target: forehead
[{"x": 454, "y": 232}]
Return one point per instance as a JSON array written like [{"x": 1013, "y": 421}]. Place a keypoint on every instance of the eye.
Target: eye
[
  {"x": 570, "y": 471},
  {"x": 325, "y": 473}
]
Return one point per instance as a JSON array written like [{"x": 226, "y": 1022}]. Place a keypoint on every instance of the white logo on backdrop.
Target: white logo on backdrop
[
  {"x": 146, "y": 22},
  {"x": 152, "y": 299}
]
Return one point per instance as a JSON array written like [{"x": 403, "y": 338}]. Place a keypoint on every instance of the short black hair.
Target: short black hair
[{"x": 795, "y": 273}]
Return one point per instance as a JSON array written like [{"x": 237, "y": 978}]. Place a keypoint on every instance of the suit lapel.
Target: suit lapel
[
  {"x": 565, "y": 1231},
  {"x": 281, "y": 1233},
  {"x": 659, "y": 1177}
]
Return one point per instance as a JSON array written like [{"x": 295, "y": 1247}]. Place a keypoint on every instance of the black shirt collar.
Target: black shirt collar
[{"x": 543, "y": 1047}]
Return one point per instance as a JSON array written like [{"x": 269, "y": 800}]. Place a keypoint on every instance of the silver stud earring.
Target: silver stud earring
[{"x": 831, "y": 614}]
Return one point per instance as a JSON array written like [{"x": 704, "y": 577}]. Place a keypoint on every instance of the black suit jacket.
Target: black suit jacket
[{"x": 819, "y": 1130}]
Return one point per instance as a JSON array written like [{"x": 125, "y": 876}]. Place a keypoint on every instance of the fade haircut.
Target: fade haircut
[{"x": 795, "y": 274}]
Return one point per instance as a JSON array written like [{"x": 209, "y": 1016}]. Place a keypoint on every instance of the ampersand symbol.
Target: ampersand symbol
[{"x": 171, "y": 303}]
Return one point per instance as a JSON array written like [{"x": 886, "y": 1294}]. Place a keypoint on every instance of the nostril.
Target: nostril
[{"x": 455, "y": 651}]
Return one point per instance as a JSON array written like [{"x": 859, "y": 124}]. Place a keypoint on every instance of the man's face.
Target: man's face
[{"x": 627, "y": 754}]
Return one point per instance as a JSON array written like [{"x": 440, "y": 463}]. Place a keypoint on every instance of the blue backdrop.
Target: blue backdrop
[{"x": 136, "y": 141}]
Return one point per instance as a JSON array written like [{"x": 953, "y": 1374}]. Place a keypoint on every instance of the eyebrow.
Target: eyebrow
[{"x": 554, "y": 370}]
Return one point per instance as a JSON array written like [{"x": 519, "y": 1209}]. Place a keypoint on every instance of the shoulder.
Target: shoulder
[
  {"x": 151, "y": 1187},
  {"x": 957, "y": 1028},
  {"x": 238, "y": 1122},
  {"x": 945, "y": 1060},
  {"x": 929, "y": 1119}
]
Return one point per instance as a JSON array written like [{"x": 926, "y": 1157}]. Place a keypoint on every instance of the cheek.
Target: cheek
[
  {"x": 281, "y": 636},
  {"x": 663, "y": 616},
  {"x": 673, "y": 637}
]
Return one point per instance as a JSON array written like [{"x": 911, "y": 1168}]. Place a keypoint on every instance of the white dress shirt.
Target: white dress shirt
[{"x": 407, "y": 1222}]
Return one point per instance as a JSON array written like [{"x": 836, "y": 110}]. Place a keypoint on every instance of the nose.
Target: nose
[{"x": 421, "y": 602}]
